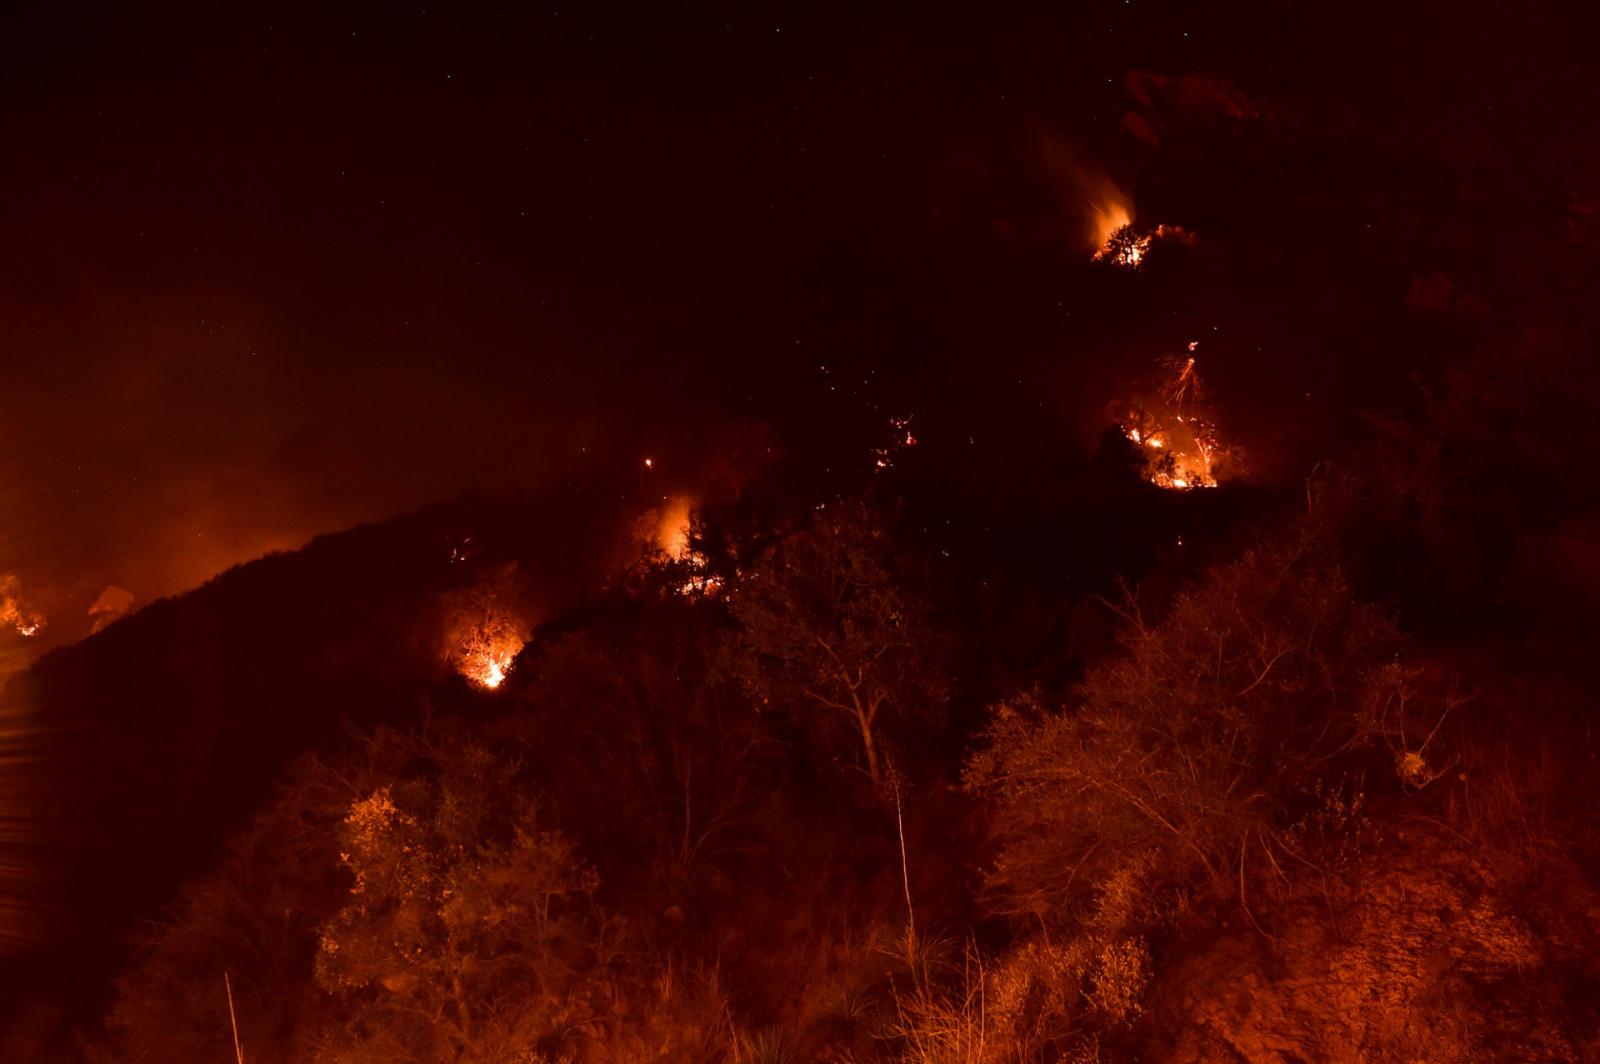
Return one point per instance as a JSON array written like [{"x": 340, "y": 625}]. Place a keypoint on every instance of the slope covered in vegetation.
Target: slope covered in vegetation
[{"x": 796, "y": 795}]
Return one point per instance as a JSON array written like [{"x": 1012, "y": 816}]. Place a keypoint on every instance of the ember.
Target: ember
[{"x": 900, "y": 438}]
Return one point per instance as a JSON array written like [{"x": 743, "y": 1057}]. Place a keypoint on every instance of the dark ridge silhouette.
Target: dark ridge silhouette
[{"x": 153, "y": 737}]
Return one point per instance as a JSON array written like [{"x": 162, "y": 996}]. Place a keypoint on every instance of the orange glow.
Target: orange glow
[
  {"x": 672, "y": 528},
  {"x": 1182, "y": 447},
  {"x": 14, "y": 612},
  {"x": 487, "y": 661},
  {"x": 1127, "y": 245},
  {"x": 490, "y": 664},
  {"x": 1108, "y": 214},
  {"x": 667, "y": 533},
  {"x": 112, "y": 605},
  {"x": 492, "y": 672},
  {"x": 483, "y": 633}
]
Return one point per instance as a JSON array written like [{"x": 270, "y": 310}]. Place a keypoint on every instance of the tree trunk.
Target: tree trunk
[{"x": 871, "y": 747}]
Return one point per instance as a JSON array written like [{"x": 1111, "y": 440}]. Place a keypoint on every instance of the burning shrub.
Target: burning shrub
[
  {"x": 484, "y": 631},
  {"x": 1180, "y": 446}
]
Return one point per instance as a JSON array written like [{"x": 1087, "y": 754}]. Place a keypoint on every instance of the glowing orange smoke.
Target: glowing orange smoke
[
  {"x": 1111, "y": 227},
  {"x": 672, "y": 528},
  {"x": 1108, "y": 215},
  {"x": 667, "y": 532},
  {"x": 112, "y": 605}
]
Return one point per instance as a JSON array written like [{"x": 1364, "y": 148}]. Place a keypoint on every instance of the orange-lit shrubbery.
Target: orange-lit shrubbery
[{"x": 774, "y": 824}]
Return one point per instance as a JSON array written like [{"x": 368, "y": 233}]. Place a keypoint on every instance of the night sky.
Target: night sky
[{"x": 272, "y": 272}]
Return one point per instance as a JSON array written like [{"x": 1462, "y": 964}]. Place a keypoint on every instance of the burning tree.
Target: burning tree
[
  {"x": 1181, "y": 447},
  {"x": 828, "y": 634},
  {"x": 483, "y": 631},
  {"x": 1127, "y": 245},
  {"x": 670, "y": 536}
]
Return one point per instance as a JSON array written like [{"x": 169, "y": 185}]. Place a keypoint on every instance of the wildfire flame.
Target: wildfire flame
[
  {"x": 1127, "y": 245},
  {"x": 1108, "y": 216},
  {"x": 670, "y": 539},
  {"x": 489, "y": 665},
  {"x": 489, "y": 668},
  {"x": 1182, "y": 448},
  {"x": 14, "y": 612},
  {"x": 484, "y": 634}
]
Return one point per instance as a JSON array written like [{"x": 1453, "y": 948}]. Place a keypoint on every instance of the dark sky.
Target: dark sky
[{"x": 270, "y": 272}]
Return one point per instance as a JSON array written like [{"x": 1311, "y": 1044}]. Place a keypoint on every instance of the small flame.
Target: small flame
[
  {"x": 488, "y": 665},
  {"x": 900, "y": 438},
  {"x": 1108, "y": 215}
]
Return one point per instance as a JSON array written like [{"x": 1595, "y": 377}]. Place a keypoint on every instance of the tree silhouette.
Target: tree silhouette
[{"x": 829, "y": 635}]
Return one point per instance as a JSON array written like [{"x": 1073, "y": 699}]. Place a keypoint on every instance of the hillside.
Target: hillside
[{"x": 166, "y": 729}]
